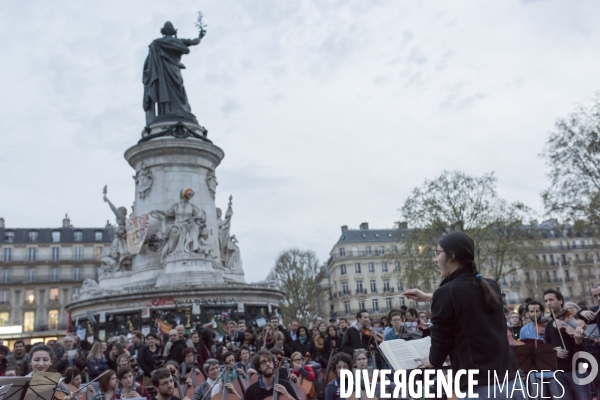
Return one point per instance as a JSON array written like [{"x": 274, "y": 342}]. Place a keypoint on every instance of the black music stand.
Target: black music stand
[
  {"x": 540, "y": 357},
  {"x": 19, "y": 386}
]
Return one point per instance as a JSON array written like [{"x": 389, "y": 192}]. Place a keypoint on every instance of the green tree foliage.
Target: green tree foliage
[
  {"x": 299, "y": 275},
  {"x": 572, "y": 152},
  {"x": 456, "y": 201}
]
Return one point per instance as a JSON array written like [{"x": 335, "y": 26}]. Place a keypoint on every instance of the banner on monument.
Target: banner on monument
[{"x": 137, "y": 228}]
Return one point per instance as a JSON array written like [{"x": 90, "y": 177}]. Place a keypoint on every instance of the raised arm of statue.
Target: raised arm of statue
[{"x": 112, "y": 207}]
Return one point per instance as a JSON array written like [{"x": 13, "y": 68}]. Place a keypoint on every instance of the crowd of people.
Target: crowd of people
[{"x": 251, "y": 363}]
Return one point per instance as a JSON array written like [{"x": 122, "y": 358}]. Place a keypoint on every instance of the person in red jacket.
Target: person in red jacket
[{"x": 298, "y": 370}]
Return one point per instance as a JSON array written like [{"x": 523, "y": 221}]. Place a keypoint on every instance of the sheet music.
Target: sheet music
[
  {"x": 401, "y": 353},
  {"x": 43, "y": 385}
]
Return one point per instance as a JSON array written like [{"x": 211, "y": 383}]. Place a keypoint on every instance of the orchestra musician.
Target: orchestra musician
[
  {"x": 566, "y": 346},
  {"x": 341, "y": 361},
  {"x": 465, "y": 296},
  {"x": 354, "y": 338},
  {"x": 266, "y": 384}
]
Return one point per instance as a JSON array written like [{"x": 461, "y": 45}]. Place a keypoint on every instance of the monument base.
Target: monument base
[{"x": 185, "y": 269}]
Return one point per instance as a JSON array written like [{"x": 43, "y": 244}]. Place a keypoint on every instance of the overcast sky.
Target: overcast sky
[{"x": 329, "y": 112}]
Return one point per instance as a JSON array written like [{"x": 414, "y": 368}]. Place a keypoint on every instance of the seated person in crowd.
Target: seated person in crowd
[
  {"x": 212, "y": 383},
  {"x": 265, "y": 386},
  {"x": 129, "y": 387},
  {"x": 341, "y": 361}
]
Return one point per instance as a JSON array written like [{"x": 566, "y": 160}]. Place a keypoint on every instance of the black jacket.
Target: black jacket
[
  {"x": 302, "y": 348},
  {"x": 176, "y": 350},
  {"x": 354, "y": 340},
  {"x": 462, "y": 327},
  {"x": 146, "y": 362},
  {"x": 553, "y": 337}
]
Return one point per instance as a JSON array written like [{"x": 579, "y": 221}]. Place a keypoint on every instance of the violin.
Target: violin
[
  {"x": 372, "y": 334},
  {"x": 568, "y": 324}
]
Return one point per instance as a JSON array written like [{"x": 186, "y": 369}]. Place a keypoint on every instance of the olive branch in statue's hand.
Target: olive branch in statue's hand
[{"x": 200, "y": 25}]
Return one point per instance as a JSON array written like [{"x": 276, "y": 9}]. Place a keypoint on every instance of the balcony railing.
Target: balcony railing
[
  {"x": 364, "y": 254},
  {"x": 45, "y": 259}
]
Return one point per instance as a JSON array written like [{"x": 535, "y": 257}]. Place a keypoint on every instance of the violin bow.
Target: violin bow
[{"x": 559, "y": 332}]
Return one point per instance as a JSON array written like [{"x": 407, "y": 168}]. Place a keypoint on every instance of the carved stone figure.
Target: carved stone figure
[
  {"x": 234, "y": 259},
  {"x": 211, "y": 182},
  {"x": 143, "y": 181},
  {"x": 183, "y": 228},
  {"x": 116, "y": 257},
  {"x": 90, "y": 289},
  {"x": 164, "y": 93},
  {"x": 224, "y": 228}
]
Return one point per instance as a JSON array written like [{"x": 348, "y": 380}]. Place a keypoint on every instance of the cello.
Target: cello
[
  {"x": 307, "y": 385},
  {"x": 226, "y": 393},
  {"x": 276, "y": 395}
]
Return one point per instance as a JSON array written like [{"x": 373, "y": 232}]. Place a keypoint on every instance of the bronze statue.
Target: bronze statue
[{"x": 164, "y": 95}]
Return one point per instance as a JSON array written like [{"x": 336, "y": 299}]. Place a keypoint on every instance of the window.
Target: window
[
  {"x": 97, "y": 252},
  {"x": 78, "y": 236},
  {"x": 361, "y": 304},
  {"x": 343, "y": 269},
  {"x": 31, "y": 254},
  {"x": 386, "y": 285},
  {"x": 77, "y": 251},
  {"x": 384, "y": 267},
  {"x": 567, "y": 277},
  {"x": 7, "y": 254},
  {"x": 53, "y": 320},
  {"x": 372, "y": 267},
  {"x": 55, "y": 253},
  {"x": 33, "y": 236},
  {"x": 375, "y": 305},
  {"x": 397, "y": 266},
  {"x": 388, "y": 304},
  {"x": 30, "y": 296},
  {"x": 75, "y": 294},
  {"x": 4, "y": 296},
  {"x": 56, "y": 237},
  {"x": 381, "y": 250},
  {"x": 564, "y": 259},
  {"x": 345, "y": 288},
  {"x": 359, "y": 287},
  {"x": 342, "y": 252},
  {"x": 98, "y": 236},
  {"x": 373, "y": 286},
  {"x": 347, "y": 307},
  {"x": 54, "y": 274},
  {"x": 53, "y": 294},
  {"x": 355, "y": 252},
  {"x": 399, "y": 284},
  {"x": 402, "y": 302},
  {"x": 6, "y": 275},
  {"x": 4, "y": 317},
  {"x": 30, "y": 274},
  {"x": 368, "y": 250},
  {"x": 28, "y": 321},
  {"x": 9, "y": 236},
  {"x": 96, "y": 273},
  {"x": 77, "y": 273},
  {"x": 394, "y": 247},
  {"x": 357, "y": 268}
]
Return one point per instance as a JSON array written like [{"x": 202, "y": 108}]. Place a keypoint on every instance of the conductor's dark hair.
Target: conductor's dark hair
[{"x": 459, "y": 247}]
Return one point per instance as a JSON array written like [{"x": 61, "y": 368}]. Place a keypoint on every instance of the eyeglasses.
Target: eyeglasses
[{"x": 438, "y": 252}]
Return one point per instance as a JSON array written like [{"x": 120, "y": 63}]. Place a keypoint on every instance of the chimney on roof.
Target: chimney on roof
[
  {"x": 66, "y": 221},
  {"x": 364, "y": 225},
  {"x": 1, "y": 222},
  {"x": 344, "y": 228}
]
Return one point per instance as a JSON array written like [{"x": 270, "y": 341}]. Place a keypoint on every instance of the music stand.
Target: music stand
[
  {"x": 542, "y": 357},
  {"x": 19, "y": 386}
]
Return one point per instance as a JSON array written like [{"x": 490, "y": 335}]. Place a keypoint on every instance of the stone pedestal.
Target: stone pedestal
[{"x": 174, "y": 164}]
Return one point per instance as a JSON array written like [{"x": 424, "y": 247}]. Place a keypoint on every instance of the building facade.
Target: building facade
[
  {"x": 364, "y": 270},
  {"x": 42, "y": 270}
]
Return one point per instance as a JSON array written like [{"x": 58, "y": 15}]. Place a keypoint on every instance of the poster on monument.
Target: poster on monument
[{"x": 137, "y": 228}]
